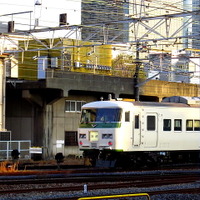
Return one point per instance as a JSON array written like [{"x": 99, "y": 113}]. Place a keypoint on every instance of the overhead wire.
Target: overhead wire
[
  {"x": 106, "y": 3},
  {"x": 100, "y": 10}
]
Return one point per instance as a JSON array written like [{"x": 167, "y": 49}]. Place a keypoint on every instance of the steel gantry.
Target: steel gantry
[{"x": 136, "y": 21}]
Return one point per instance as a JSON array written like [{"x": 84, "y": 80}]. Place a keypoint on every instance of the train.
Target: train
[{"x": 128, "y": 133}]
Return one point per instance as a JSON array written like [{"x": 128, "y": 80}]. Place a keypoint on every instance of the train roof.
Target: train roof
[
  {"x": 183, "y": 99},
  {"x": 109, "y": 104},
  {"x": 163, "y": 104},
  {"x": 121, "y": 103}
]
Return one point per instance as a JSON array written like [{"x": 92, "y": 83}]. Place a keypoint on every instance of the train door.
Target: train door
[
  {"x": 150, "y": 135},
  {"x": 127, "y": 129},
  {"x": 136, "y": 131}
]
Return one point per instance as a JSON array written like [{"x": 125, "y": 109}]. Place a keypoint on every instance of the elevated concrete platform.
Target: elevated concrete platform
[{"x": 119, "y": 87}]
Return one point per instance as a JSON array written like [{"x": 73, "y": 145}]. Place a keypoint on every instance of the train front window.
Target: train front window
[{"x": 101, "y": 115}]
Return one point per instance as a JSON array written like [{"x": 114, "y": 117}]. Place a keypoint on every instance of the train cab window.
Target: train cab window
[
  {"x": 189, "y": 125},
  {"x": 177, "y": 125},
  {"x": 196, "y": 125},
  {"x": 167, "y": 125},
  {"x": 136, "y": 121},
  {"x": 100, "y": 115},
  {"x": 127, "y": 116},
  {"x": 151, "y": 123}
]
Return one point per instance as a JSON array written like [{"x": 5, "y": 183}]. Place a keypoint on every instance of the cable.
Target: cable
[{"x": 172, "y": 7}]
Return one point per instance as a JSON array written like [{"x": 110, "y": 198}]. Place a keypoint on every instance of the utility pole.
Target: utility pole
[{"x": 136, "y": 75}]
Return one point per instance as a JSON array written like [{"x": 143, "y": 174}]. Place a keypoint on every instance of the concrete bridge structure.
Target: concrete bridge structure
[
  {"x": 36, "y": 110},
  {"x": 153, "y": 90}
]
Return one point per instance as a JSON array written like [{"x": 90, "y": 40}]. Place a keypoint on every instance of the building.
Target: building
[
  {"x": 97, "y": 18},
  {"x": 88, "y": 58},
  {"x": 192, "y": 30}
]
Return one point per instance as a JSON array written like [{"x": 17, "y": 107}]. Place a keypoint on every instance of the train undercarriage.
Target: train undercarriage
[{"x": 140, "y": 159}]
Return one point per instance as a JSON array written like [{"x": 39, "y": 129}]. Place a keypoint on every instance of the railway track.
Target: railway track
[
  {"x": 95, "y": 186},
  {"x": 99, "y": 181},
  {"x": 133, "y": 181},
  {"x": 89, "y": 175}
]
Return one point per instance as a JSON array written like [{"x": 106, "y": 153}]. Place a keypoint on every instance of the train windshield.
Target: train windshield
[{"x": 101, "y": 115}]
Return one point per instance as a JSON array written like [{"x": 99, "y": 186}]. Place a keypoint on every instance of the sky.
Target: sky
[{"x": 47, "y": 14}]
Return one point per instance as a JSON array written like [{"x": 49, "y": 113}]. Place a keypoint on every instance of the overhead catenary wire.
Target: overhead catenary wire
[
  {"x": 172, "y": 7},
  {"x": 103, "y": 10}
]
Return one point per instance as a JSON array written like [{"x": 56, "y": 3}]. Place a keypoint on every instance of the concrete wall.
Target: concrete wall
[
  {"x": 65, "y": 121},
  {"x": 19, "y": 117}
]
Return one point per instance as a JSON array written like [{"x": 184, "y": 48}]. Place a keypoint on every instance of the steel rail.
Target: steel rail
[{"x": 139, "y": 182}]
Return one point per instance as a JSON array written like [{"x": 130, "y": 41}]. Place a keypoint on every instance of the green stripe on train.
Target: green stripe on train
[{"x": 100, "y": 125}]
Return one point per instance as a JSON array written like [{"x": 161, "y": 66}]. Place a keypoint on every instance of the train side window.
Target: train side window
[
  {"x": 136, "y": 121},
  {"x": 127, "y": 116},
  {"x": 196, "y": 125},
  {"x": 151, "y": 123},
  {"x": 167, "y": 125},
  {"x": 177, "y": 124},
  {"x": 189, "y": 125}
]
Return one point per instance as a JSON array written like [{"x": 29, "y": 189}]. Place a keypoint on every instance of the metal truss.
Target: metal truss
[{"x": 75, "y": 31}]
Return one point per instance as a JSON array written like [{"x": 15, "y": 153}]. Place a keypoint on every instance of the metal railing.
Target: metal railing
[{"x": 23, "y": 146}]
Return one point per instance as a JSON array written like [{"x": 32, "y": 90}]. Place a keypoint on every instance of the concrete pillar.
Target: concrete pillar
[
  {"x": 48, "y": 132},
  {"x": 2, "y": 93}
]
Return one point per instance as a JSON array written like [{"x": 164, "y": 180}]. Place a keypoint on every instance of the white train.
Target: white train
[{"x": 136, "y": 133}]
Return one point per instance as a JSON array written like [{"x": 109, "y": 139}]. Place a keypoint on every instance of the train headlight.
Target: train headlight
[
  {"x": 107, "y": 136},
  {"x": 81, "y": 143},
  {"x": 110, "y": 143},
  {"x": 82, "y": 136}
]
